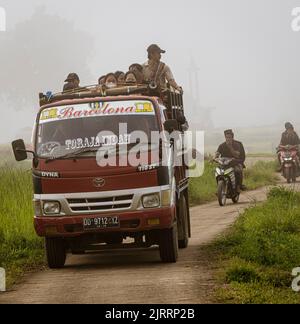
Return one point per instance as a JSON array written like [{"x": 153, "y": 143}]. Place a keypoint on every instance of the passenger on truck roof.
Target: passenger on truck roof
[
  {"x": 110, "y": 81},
  {"x": 68, "y": 87},
  {"x": 136, "y": 67},
  {"x": 131, "y": 78},
  {"x": 101, "y": 80},
  {"x": 156, "y": 71},
  {"x": 138, "y": 70},
  {"x": 120, "y": 77},
  {"x": 72, "y": 82}
]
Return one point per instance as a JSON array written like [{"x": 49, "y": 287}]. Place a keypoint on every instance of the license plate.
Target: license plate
[{"x": 101, "y": 222}]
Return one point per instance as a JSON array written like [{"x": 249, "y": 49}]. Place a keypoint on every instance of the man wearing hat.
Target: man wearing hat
[
  {"x": 73, "y": 82},
  {"x": 234, "y": 149},
  {"x": 156, "y": 71}
]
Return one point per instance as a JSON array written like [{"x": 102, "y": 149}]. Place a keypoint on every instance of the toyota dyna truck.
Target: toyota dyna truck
[{"x": 93, "y": 189}]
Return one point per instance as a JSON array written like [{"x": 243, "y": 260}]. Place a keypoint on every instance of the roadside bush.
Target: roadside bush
[{"x": 261, "y": 249}]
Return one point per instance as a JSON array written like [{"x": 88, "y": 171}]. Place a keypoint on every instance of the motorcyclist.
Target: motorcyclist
[
  {"x": 234, "y": 149},
  {"x": 289, "y": 137}
]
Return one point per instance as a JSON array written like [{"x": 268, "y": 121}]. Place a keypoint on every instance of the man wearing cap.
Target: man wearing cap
[
  {"x": 156, "y": 71},
  {"x": 73, "y": 82},
  {"x": 289, "y": 137},
  {"x": 234, "y": 149}
]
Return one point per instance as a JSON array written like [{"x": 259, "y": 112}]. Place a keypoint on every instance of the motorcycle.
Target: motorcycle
[
  {"x": 289, "y": 162},
  {"x": 226, "y": 180}
]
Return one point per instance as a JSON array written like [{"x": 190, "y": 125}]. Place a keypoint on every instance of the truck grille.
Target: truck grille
[{"x": 100, "y": 204}]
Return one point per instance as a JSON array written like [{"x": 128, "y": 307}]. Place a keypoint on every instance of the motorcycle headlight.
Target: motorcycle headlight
[
  {"x": 51, "y": 208},
  {"x": 220, "y": 171},
  {"x": 151, "y": 201}
]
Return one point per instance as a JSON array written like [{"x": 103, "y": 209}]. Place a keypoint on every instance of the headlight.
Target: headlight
[
  {"x": 51, "y": 208},
  {"x": 151, "y": 201}
]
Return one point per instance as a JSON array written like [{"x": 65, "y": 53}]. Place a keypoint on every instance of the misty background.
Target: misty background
[{"x": 241, "y": 55}]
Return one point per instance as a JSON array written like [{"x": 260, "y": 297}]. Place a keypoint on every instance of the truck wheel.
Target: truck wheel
[
  {"x": 222, "y": 193},
  {"x": 183, "y": 224},
  {"x": 56, "y": 253},
  {"x": 168, "y": 245}
]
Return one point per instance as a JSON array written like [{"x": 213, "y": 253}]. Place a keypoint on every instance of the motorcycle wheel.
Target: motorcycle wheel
[
  {"x": 294, "y": 174},
  {"x": 222, "y": 193},
  {"x": 288, "y": 174},
  {"x": 236, "y": 199}
]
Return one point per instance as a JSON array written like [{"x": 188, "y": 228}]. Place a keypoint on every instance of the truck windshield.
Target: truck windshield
[{"x": 67, "y": 129}]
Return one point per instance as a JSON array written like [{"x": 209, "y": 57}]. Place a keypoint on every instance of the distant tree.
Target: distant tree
[{"x": 37, "y": 55}]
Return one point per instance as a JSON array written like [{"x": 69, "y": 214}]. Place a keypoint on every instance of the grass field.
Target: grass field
[
  {"x": 260, "y": 251},
  {"x": 20, "y": 248}
]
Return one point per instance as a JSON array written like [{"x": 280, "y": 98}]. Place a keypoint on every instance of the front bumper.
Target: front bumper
[{"x": 130, "y": 222}]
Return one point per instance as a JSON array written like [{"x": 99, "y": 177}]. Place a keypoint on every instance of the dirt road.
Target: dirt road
[{"x": 136, "y": 276}]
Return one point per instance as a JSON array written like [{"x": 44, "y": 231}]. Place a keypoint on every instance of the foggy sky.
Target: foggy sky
[{"x": 245, "y": 50}]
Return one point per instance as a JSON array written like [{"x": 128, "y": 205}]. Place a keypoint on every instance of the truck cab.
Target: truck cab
[{"x": 101, "y": 179}]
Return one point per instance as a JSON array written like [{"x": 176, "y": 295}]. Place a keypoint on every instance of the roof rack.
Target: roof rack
[
  {"x": 95, "y": 91},
  {"x": 172, "y": 98}
]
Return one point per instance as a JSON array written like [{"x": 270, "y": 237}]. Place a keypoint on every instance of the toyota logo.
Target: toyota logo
[{"x": 99, "y": 182}]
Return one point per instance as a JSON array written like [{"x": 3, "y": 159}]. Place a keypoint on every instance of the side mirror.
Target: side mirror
[
  {"x": 19, "y": 150},
  {"x": 171, "y": 125}
]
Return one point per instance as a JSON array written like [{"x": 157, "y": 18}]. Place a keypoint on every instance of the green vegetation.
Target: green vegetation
[
  {"x": 260, "y": 251},
  {"x": 20, "y": 248},
  {"x": 204, "y": 189}
]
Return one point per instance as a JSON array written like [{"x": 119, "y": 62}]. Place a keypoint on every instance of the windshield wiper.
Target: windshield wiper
[{"x": 73, "y": 154}]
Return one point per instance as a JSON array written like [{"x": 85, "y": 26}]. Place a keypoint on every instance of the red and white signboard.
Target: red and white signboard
[{"x": 103, "y": 109}]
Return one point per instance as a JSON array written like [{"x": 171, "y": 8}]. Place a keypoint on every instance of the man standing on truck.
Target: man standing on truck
[{"x": 156, "y": 71}]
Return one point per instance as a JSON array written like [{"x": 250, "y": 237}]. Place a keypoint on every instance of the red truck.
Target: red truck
[{"x": 82, "y": 204}]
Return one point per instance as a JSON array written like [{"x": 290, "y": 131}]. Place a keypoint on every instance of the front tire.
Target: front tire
[
  {"x": 294, "y": 175},
  {"x": 288, "y": 175},
  {"x": 222, "y": 193},
  {"x": 236, "y": 199},
  {"x": 168, "y": 246},
  {"x": 56, "y": 253}
]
